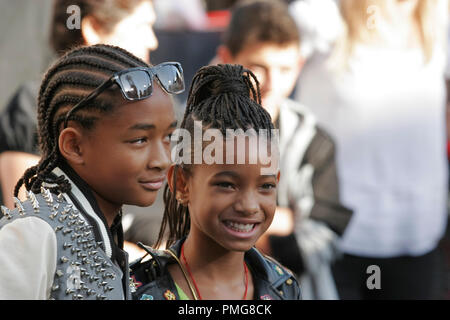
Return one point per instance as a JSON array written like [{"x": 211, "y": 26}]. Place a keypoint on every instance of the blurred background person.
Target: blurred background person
[
  {"x": 127, "y": 24},
  {"x": 380, "y": 92},
  {"x": 263, "y": 37}
]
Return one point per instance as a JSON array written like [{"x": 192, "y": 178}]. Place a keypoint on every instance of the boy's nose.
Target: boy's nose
[{"x": 159, "y": 157}]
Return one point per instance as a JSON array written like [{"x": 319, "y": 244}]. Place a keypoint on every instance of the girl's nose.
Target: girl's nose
[{"x": 248, "y": 203}]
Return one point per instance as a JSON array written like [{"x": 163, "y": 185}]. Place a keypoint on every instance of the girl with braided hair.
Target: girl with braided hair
[
  {"x": 216, "y": 210},
  {"x": 104, "y": 123}
]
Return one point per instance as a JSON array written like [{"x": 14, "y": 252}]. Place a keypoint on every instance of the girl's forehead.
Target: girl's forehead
[{"x": 250, "y": 151}]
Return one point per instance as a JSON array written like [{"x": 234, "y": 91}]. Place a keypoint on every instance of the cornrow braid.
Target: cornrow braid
[
  {"x": 223, "y": 97},
  {"x": 67, "y": 82}
]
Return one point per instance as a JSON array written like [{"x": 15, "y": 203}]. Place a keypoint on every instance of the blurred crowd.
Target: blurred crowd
[{"x": 358, "y": 90}]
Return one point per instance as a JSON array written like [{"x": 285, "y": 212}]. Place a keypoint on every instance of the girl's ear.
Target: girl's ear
[
  {"x": 70, "y": 146},
  {"x": 179, "y": 185}
]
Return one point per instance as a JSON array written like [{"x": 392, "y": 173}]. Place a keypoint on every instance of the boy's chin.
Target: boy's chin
[{"x": 143, "y": 202}]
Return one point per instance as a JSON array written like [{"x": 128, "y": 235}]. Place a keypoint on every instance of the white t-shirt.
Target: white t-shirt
[{"x": 387, "y": 116}]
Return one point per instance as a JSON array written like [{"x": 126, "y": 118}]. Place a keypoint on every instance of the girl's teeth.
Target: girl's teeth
[{"x": 239, "y": 226}]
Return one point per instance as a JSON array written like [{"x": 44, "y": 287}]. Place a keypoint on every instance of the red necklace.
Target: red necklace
[{"x": 195, "y": 284}]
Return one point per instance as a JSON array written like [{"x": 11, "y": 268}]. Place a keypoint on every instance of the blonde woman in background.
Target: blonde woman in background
[{"x": 380, "y": 92}]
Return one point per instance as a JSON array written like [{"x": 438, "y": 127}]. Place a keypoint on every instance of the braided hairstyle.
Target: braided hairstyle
[
  {"x": 222, "y": 97},
  {"x": 67, "y": 81}
]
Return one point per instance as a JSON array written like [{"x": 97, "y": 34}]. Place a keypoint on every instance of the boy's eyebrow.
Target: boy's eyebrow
[{"x": 147, "y": 126}]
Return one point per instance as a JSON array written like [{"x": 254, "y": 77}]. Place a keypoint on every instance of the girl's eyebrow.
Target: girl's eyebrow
[
  {"x": 227, "y": 173},
  {"x": 148, "y": 126}
]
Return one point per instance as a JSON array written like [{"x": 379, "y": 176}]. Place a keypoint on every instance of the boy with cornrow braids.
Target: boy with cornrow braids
[{"x": 104, "y": 121}]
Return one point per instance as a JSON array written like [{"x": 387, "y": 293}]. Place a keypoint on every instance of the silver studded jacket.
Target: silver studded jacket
[{"x": 83, "y": 268}]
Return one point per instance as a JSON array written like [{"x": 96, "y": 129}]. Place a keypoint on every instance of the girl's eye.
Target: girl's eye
[
  {"x": 268, "y": 186},
  {"x": 226, "y": 185}
]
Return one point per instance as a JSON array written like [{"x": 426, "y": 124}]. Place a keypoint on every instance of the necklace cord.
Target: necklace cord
[{"x": 195, "y": 284}]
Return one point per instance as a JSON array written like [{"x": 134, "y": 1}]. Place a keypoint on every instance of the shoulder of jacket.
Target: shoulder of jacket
[
  {"x": 45, "y": 206},
  {"x": 282, "y": 278}
]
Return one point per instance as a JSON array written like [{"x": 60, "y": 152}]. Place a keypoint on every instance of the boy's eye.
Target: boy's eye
[
  {"x": 168, "y": 138},
  {"x": 139, "y": 141}
]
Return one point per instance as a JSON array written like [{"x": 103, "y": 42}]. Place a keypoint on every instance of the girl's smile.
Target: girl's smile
[{"x": 232, "y": 204}]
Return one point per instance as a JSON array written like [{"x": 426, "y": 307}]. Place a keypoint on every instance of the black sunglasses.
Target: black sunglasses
[{"x": 137, "y": 83}]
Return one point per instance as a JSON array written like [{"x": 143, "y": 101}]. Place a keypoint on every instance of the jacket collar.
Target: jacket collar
[
  {"x": 82, "y": 197},
  {"x": 267, "y": 274}
]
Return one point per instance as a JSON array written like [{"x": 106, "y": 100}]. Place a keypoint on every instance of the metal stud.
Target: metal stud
[
  {"x": 58, "y": 228},
  {"x": 60, "y": 197},
  {"x": 109, "y": 275},
  {"x": 6, "y": 212},
  {"x": 67, "y": 230},
  {"x": 101, "y": 297},
  {"x": 64, "y": 259},
  {"x": 77, "y": 297},
  {"x": 47, "y": 195},
  {"x": 70, "y": 291},
  {"x": 75, "y": 250},
  {"x": 75, "y": 235},
  {"x": 55, "y": 287},
  {"x": 53, "y": 215},
  {"x": 34, "y": 202},
  {"x": 67, "y": 245},
  {"x": 108, "y": 288},
  {"x": 59, "y": 273},
  {"x": 19, "y": 206}
]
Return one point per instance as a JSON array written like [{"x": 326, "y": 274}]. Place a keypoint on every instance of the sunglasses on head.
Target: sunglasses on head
[{"x": 137, "y": 83}]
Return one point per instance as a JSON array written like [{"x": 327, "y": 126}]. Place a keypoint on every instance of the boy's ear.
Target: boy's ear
[
  {"x": 180, "y": 183},
  {"x": 224, "y": 54},
  {"x": 69, "y": 143}
]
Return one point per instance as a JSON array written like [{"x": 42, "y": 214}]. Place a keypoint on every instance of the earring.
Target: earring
[{"x": 181, "y": 201}]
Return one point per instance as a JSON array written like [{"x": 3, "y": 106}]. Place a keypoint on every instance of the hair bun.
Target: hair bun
[{"x": 234, "y": 85}]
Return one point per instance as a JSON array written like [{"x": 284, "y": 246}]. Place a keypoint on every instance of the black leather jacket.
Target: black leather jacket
[{"x": 153, "y": 280}]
